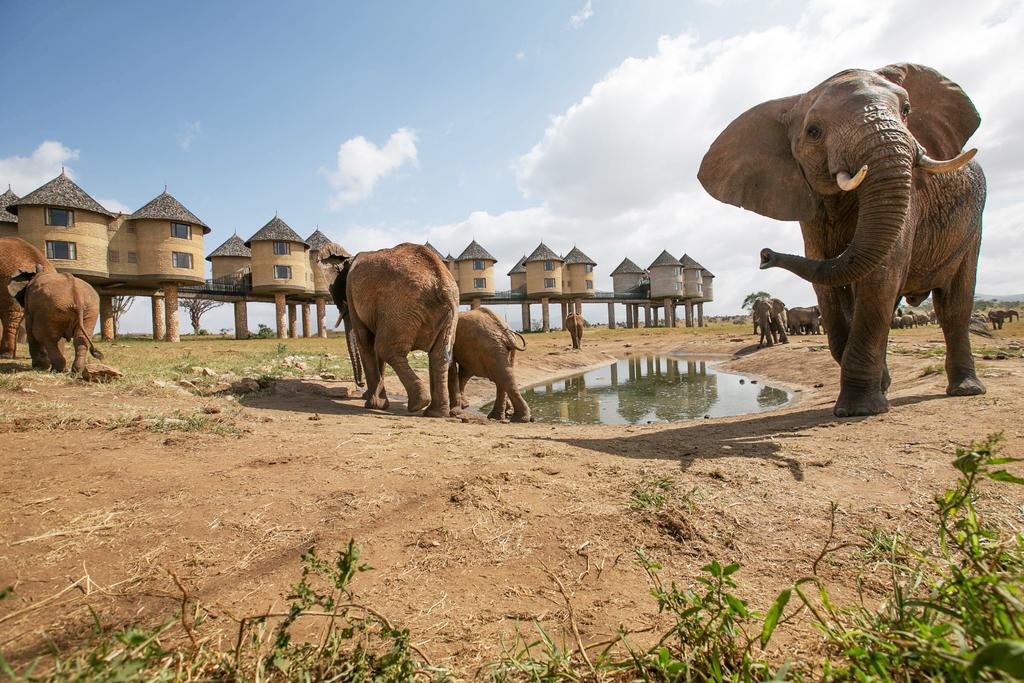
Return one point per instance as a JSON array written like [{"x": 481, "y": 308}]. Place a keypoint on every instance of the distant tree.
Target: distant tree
[
  {"x": 753, "y": 296},
  {"x": 120, "y": 304},
  {"x": 196, "y": 309}
]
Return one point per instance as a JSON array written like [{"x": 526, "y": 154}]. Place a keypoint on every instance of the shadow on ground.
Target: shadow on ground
[{"x": 752, "y": 437}]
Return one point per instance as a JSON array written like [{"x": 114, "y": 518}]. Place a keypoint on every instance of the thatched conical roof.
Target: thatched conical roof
[
  {"x": 317, "y": 240},
  {"x": 6, "y": 199},
  {"x": 519, "y": 267},
  {"x": 233, "y": 246},
  {"x": 543, "y": 253},
  {"x": 577, "y": 256},
  {"x": 166, "y": 207},
  {"x": 627, "y": 267},
  {"x": 61, "y": 191},
  {"x": 276, "y": 230},
  {"x": 437, "y": 251},
  {"x": 664, "y": 259},
  {"x": 474, "y": 252}
]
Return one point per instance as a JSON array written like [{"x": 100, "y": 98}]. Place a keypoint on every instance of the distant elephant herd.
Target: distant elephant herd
[{"x": 870, "y": 162}]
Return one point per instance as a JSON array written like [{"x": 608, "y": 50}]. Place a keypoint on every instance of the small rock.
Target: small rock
[
  {"x": 753, "y": 381},
  {"x": 26, "y": 390},
  {"x": 986, "y": 357},
  {"x": 737, "y": 339},
  {"x": 211, "y": 410},
  {"x": 819, "y": 385},
  {"x": 743, "y": 381},
  {"x": 1001, "y": 356},
  {"x": 266, "y": 418},
  {"x": 246, "y": 385},
  {"x": 315, "y": 417},
  {"x": 337, "y": 392},
  {"x": 328, "y": 375},
  {"x": 97, "y": 372}
]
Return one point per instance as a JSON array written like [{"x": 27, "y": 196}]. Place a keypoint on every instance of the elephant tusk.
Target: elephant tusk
[
  {"x": 926, "y": 163},
  {"x": 848, "y": 184}
]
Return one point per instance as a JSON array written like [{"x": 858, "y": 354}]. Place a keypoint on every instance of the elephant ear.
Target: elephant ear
[
  {"x": 751, "y": 165},
  {"x": 339, "y": 288},
  {"x": 942, "y": 117},
  {"x": 18, "y": 285}
]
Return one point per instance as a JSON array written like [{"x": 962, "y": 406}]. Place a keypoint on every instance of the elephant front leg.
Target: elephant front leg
[
  {"x": 454, "y": 391},
  {"x": 953, "y": 308},
  {"x": 863, "y": 365},
  {"x": 373, "y": 369},
  {"x": 439, "y": 358}
]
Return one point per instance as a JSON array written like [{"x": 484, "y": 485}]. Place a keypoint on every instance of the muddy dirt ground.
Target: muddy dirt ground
[{"x": 462, "y": 518}]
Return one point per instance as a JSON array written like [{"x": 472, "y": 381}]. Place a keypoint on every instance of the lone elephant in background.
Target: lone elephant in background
[
  {"x": 16, "y": 255},
  {"x": 770, "y": 316},
  {"x": 997, "y": 318},
  {"x": 804, "y": 320},
  {"x": 575, "y": 323},
  {"x": 871, "y": 164},
  {"x": 399, "y": 300},
  {"x": 57, "y": 306},
  {"x": 486, "y": 347}
]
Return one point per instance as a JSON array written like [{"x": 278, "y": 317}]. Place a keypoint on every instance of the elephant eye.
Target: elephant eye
[
  {"x": 905, "y": 110},
  {"x": 814, "y": 132}
]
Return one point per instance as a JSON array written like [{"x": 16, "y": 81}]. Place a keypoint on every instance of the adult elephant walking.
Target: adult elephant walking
[
  {"x": 395, "y": 301},
  {"x": 770, "y": 316},
  {"x": 574, "y": 323},
  {"x": 16, "y": 255},
  {"x": 804, "y": 320},
  {"x": 852, "y": 160}
]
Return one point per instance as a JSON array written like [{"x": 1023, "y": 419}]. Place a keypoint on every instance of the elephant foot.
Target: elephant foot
[
  {"x": 415, "y": 405},
  {"x": 6, "y": 354},
  {"x": 496, "y": 415},
  {"x": 522, "y": 417},
  {"x": 860, "y": 404},
  {"x": 436, "y": 411},
  {"x": 377, "y": 403},
  {"x": 968, "y": 386},
  {"x": 886, "y": 380}
]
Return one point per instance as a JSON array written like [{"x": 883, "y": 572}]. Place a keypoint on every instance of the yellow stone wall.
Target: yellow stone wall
[
  {"x": 89, "y": 233},
  {"x": 535, "y": 275},
  {"x": 155, "y": 246},
  {"x": 466, "y": 275},
  {"x": 666, "y": 281},
  {"x": 518, "y": 281},
  {"x": 574, "y": 280},
  {"x": 264, "y": 259},
  {"x": 122, "y": 243},
  {"x": 693, "y": 284},
  {"x": 225, "y": 266},
  {"x": 8, "y": 230}
]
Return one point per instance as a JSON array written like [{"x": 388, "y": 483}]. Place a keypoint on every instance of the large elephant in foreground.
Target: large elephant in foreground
[
  {"x": 396, "y": 301},
  {"x": 16, "y": 255},
  {"x": 855, "y": 161},
  {"x": 58, "y": 306}
]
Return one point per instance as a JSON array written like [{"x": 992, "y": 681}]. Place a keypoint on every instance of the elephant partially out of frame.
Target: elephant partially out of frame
[
  {"x": 871, "y": 164},
  {"x": 16, "y": 255}
]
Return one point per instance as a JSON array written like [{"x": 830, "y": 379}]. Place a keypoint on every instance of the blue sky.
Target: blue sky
[{"x": 576, "y": 122}]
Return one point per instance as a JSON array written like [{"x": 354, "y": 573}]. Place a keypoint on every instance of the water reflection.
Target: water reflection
[{"x": 641, "y": 389}]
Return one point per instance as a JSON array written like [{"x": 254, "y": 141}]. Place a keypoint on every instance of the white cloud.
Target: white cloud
[
  {"x": 189, "y": 132},
  {"x": 577, "y": 20},
  {"x": 616, "y": 172},
  {"x": 114, "y": 206},
  {"x": 520, "y": 56},
  {"x": 361, "y": 164},
  {"x": 25, "y": 174}
]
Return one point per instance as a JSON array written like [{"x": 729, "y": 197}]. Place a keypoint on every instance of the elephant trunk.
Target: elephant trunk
[
  {"x": 883, "y": 202},
  {"x": 353, "y": 356}
]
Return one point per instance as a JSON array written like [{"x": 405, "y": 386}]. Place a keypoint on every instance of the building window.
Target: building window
[
  {"x": 478, "y": 265},
  {"x": 590, "y": 284},
  {"x": 549, "y": 265},
  {"x": 133, "y": 257},
  {"x": 282, "y": 272},
  {"x": 282, "y": 248},
  {"x": 549, "y": 282},
  {"x": 113, "y": 255},
  {"x": 181, "y": 260},
  {"x": 588, "y": 268},
  {"x": 67, "y": 251},
  {"x": 63, "y": 218},
  {"x": 182, "y": 231},
  {"x": 479, "y": 283}
]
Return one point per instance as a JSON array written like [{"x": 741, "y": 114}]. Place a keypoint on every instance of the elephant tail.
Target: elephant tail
[
  {"x": 521, "y": 338},
  {"x": 80, "y": 323}
]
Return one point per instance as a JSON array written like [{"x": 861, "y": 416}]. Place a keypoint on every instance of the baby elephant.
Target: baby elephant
[
  {"x": 486, "y": 347},
  {"x": 58, "y": 306},
  {"x": 574, "y": 323}
]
